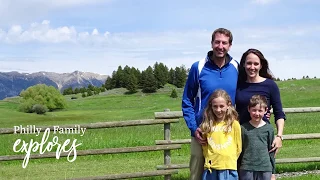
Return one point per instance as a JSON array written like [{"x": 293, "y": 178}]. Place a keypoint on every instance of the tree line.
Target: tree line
[
  {"x": 132, "y": 79},
  {"x": 85, "y": 91},
  {"x": 149, "y": 80}
]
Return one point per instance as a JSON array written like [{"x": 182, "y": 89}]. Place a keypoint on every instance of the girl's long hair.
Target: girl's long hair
[{"x": 209, "y": 118}]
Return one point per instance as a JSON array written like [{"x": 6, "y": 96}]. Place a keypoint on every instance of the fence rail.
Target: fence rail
[
  {"x": 285, "y": 137},
  {"x": 100, "y": 125},
  {"x": 95, "y": 152},
  {"x": 178, "y": 114}
]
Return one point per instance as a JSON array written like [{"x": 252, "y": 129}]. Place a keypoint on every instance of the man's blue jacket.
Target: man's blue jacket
[{"x": 204, "y": 78}]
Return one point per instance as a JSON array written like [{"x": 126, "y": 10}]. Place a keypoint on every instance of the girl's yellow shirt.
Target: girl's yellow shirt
[{"x": 223, "y": 149}]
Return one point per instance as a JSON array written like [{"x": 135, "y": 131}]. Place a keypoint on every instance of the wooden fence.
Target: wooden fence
[
  {"x": 178, "y": 114},
  {"x": 166, "y": 148},
  {"x": 165, "y": 145}
]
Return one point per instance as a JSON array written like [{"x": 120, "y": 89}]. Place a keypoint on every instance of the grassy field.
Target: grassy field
[{"x": 114, "y": 106}]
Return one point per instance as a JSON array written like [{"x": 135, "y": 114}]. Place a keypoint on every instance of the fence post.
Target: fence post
[{"x": 166, "y": 153}]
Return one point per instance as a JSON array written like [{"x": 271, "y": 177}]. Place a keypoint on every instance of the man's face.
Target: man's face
[{"x": 220, "y": 45}]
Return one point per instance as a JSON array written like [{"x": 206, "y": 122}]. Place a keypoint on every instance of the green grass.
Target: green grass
[{"x": 115, "y": 106}]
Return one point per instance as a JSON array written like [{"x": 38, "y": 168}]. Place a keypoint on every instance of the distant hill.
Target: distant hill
[{"x": 11, "y": 83}]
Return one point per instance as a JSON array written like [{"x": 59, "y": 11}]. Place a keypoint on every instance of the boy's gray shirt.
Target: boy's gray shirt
[{"x": 256, "y": 143}]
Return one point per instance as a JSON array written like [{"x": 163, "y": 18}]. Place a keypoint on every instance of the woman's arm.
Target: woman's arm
[{"x": 275, "y": 101}]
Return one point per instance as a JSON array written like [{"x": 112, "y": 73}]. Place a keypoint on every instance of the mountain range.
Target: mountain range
[{"x": 12, "y": 83}]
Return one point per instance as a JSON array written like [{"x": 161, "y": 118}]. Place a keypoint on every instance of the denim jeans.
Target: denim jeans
[
  {"x": 220, "y": 175},
  {"x": 252, "y": 175}
]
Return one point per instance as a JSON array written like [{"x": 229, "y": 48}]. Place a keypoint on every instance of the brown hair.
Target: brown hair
[
  {"x": 264, "y": 71},
  {"x": 224, "y": 31},
  {"x": 209, "y": 117},
  {"x": 258, "y": 100}
]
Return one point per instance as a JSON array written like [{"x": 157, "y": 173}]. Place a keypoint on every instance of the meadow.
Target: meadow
[{"x": 115, "y": 105}]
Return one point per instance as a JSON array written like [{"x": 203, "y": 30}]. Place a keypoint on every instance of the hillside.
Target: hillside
[{"x": 115, "y": 105}]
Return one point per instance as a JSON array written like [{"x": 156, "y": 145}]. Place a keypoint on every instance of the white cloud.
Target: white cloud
[
  {"x": 22, "y": 11},
  {"x": 95, "y": 32},
  {"x": 285, "y": 48}
]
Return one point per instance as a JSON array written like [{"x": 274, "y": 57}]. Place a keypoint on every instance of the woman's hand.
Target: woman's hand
[{"x": 276, "y": 145}]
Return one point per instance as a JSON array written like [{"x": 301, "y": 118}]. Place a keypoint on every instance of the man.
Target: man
[{"x": 217, "y": 71}]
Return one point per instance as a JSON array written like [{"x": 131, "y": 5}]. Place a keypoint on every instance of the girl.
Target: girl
[
  {"x": 223, "y": 133},
  {"x": 256, "y": 162}
]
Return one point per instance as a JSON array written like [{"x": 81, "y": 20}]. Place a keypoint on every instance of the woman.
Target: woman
[{"x": 255, "y": 78}]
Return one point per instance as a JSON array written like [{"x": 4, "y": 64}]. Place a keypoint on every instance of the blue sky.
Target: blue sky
[{"x": 99, "y": 35}]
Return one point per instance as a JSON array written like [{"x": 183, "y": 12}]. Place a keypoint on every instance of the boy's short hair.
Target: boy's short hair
[{"x": 258, "y": 100}]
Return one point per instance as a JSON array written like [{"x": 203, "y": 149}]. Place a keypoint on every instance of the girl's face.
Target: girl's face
[
  {"x": 219, "y": 107},
  {"x": 257, "y": 112},
  {"x": 252, "y": 65}
]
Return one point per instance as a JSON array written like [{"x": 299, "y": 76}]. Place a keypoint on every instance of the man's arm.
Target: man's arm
[{"x": 188, "y": 99}]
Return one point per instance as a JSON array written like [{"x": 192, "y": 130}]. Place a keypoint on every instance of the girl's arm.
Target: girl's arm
[{"x": 237, "y": 135}]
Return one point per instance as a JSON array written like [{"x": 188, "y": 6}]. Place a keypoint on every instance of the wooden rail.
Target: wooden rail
[
  {"x": 100, "y": 125},
  {"x": 285, "y": 137},
  {"x": 178, "y": 114},
  {"x": 95, "y": 152},
  {"x": 278, "y": 161},
  {"x": 131, "y": 175}
]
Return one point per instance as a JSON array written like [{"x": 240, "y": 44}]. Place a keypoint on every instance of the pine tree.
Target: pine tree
[
  {"x": 132, "y": 84},
  {"x": 91, "y": 87},
  {"x": 161, "y": 74},
  {"x": 119, "y": 78},
  {"x": 180, "y": 76},
  {"x": 76, "y": 91},
  {"x": 174, "y": 93},
  {"x": 172, "y": 76},
  {"x": 109, "y": 84},
  {"x": 137, "y": 74},
  {"x": 126, "y": 75},
  {"x": 67, "y": 91},
  {"x": 149, "y": 84}
]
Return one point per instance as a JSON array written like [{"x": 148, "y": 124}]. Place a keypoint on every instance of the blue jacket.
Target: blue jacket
[{"x": 204, "y": 78}]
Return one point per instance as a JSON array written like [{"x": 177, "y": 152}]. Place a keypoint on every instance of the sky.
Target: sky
[{"x": 99, "y": 35}]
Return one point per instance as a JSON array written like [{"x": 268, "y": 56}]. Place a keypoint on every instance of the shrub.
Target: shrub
[
  {"x": 174, "y": 93},
  {"x": 39, "y": 109},
  {"x": 42, "y": 94},
  {"x": 74, "y": 97},
  {"x": 26, "y": 106}
]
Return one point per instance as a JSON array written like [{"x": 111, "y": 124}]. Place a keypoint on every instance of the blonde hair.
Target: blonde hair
[{"x": 209, "y": 118}]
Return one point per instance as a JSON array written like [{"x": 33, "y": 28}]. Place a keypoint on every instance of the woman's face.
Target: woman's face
[{"x": 252, "y": 65}]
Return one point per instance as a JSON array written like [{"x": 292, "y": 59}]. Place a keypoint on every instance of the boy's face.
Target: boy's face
[{"x": 257, "y": 112}]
